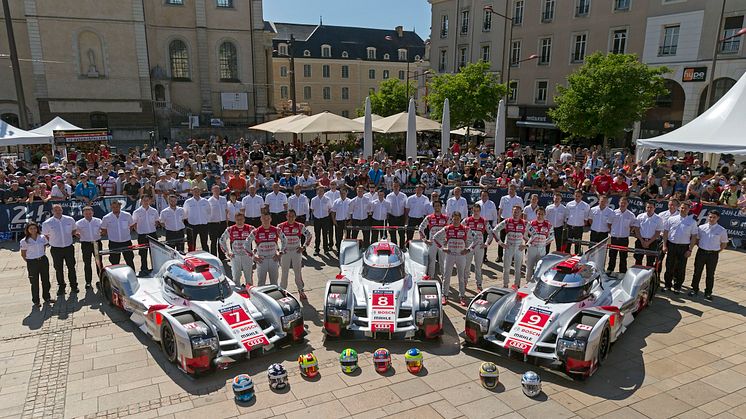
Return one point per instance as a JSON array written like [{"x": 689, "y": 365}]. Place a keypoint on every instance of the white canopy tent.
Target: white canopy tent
[
  {"x": 473, "y": 132},
  {"x": 324, "y": 122},
  {"x": 721, "y": 129},
  {"x": 277, "y": 124},
  {"x": 57, "y": 124},
  {"x": 399, "y": 123},
  {"x": 373, "y": 117},
  {"x": 10, "y": 135}
]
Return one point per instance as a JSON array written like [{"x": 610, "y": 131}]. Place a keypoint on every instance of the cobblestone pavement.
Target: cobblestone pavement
[{"x": 80, "y": 358}]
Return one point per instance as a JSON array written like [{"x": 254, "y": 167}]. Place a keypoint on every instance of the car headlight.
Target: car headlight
[
  {"x": 202, "y": 343},
  {"x": 483, "y": 323},
  {"x": 343, "y": 314},
  {"x": 420, "y": 316},
  {"x": 570, "y": 345},
  {"x": 286, "y": 320}
]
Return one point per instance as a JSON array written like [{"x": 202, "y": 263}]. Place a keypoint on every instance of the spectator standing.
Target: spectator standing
[
  {"x": 456, "y": 203},
  {"x": 529, "y": 211},
  {"x": 360, "y": 209},
  {"x": 89, "y": 234},
  {"x": 379, "y": 214},
  {"x": 233, "y": 207},
  {"x": 416, "y": 210},
  {"x": 712, "y": 238},
  {"x": 59, "y": 230},
  {"x": 117, "y": 225},
  {"x": 33, "y": 251},
  {"x": 85, "y": 191},
  {"x": 397, "y": 203},
  {"x": 488, "y": 210}
]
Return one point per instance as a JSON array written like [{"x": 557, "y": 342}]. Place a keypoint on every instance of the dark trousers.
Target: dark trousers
[
  {"x": 707, "y": 260},
  {"x": 366, "y": 232},
  {"x": 503, "y": 234},
  {"x": 339, "y": 231},
  {"x": 374, "y": 234},
  {"x": 38, "y": 271},
  {"x": 62, "y": 256},
  {"x": 87, "y": 249},
  {"x": 215, "y": 230},
  {"x": 322, "y": 228},
  {"x": 175, "y": 239},
  {"x": 575, "y": 233},
  {"x": 675, "y": 265},
  {"x": 649, "y": 259},
  {"x": 254, "y": 221},
  {"x": 200, "y": 230},
  {"x": 618, "y": 241},
  {"x": 397, "y": 222},
  {"x": 598, "y": 236},
  {"x": 278, "y": 217},
  {"x": 300, "y": 218},
  {"x": 129, "y": 257},
  {"x": 559, "y": 240},
  {"x": 412, "y": 225},
  {"x": 143, "y": 239}
]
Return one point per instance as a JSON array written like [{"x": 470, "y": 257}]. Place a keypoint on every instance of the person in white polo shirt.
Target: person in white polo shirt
[
  {"x": 89, "y": 234},
  {"x": 117, "y": 225},
  {"x": 712, "y": 238},
  {"x": 197, "y": 211},
  {"x": 252, "y": 205},
  {"x": 379, "y": 214},
  {"x": 620, "y": 226},
  {"x": 578, "y": 213},
  {"x": 172, "y": 218},
  {"x": 146, "y": 223},
  {"x": 277, "y": 202},
  {"x": 360, "y": 209},
  {"x": 299, "y": 202},
  {"x": 557, "y": 216},
  {"x": 59, "y": 230},
  {"x": 488, "y": 208},
  {"x": 679, "y": 235},
  {"x": 600, "y": 215},
  {"x": 321, "y": 207},
  {"x": 218, "y": 221},
  {"x": 648, "y": 232},
  {"x": 416, "y": 210},
  {"x": 34, "y": 252},
  {"x": 457, "y": 203},
  {"x": 340, "y": 216},
  {"x": 397, "y": 204}
]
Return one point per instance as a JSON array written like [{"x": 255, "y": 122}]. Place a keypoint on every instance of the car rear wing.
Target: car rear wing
[
  {"x": 160, "y": 252},
  {"x": 655, "y": 253}
]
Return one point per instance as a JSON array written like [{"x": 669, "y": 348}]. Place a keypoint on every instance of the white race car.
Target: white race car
[
  {"x": 197, "y": 314},
  {"x": 570, "y": 316},
  {"x": 383, "y": 291}
]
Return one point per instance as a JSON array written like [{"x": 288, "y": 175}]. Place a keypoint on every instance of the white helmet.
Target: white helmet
[{"x": 531, "y": 384}]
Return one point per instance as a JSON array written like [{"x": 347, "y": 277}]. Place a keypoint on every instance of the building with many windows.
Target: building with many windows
[{"x": 336, "y": 67}]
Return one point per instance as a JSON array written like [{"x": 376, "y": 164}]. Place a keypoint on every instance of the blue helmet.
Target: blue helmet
[
  {"x": 278, "y": 377},
  {"x": 243, "y": 388}
]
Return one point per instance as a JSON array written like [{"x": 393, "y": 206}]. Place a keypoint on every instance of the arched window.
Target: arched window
[
  {"x": 386, "y": 56},
  {"x": 326, "y": 51},
  {"x": 99, "y": 120},
  {"x": 228, "y": 59},
  {"x": 306, "y": 53},
  {"x": 345, "y": 54},
  {"x": 160, "y": 93},
  {"x": 722, "y": 86},
  {"x": 179, "y": 58},
  {"x": 282, "y": 49}
]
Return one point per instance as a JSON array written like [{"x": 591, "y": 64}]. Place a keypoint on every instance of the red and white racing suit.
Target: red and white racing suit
[
  {"x": 515, "y": 236},
  {"x": 540, "y": 234},
  {"x": 241, "y": 261},
  {"x": 291, "y": 255},
  {"x": 478, "y": 227},
  {"x": 267, "y": 248},
  {"x": 434, "y": 222},
  {"x": 454, "y": 239}
]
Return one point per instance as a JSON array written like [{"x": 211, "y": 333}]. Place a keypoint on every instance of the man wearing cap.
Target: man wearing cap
[
  {"x": 321, "y": 207},
  {"x": 146, "y": 221},
  {"x": 116, "y": 225},
  {"x": 86, "y": 191},
  {"x": 183, "y": 186},
  {"x": 60, "y": 191},
  {"x": 197, "y": 211},
  {"x": 415, "y": 211},
  {"x": 172, "y": 218},
  {"x": 277, "y": 202},
  {"x": 107, "y": 184},
  {"x": 299, "y": 203},
  {"x": 251, "y": 206},
  {"x": 59, "y": 230},
  {"x": 679, "y": 237},
  {"x": 712, "y": 238}
]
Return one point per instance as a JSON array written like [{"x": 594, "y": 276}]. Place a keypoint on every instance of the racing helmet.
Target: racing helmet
[
  {"x": 413, "y": 359},
  {"x": 278, "y": 377},
  {"x": 308, "y": 364},
  {"x": 243, "y": 388},
  {"x": 531, "y": 384},
  {"x": 348, "y": 360},
  {"x": 382, "y": 360},
  {"x": 489, "y": 375}
]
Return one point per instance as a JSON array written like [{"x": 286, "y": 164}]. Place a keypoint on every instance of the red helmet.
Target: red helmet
[{"x": 382, "y": 360}]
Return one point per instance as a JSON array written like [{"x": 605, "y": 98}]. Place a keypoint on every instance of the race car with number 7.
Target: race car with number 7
[
  {"x": 200, "y": 318},
  {"x": 569, "y": 315}
]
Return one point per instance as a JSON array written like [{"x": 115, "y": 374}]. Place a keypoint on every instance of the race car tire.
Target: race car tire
[
  {"x": 106, "y": 290},
  {"x": 168, "y": 342},
  {"x": 604, "y": 346}
]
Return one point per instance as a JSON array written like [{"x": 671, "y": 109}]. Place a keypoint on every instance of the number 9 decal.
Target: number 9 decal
[{"x": 534, "y": 319}]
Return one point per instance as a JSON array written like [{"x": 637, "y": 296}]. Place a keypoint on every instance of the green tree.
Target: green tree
[
  {"x": 390, "y": 99},
  {"x": 606, "y": 95},
  {"x": 473, "y": 95}
]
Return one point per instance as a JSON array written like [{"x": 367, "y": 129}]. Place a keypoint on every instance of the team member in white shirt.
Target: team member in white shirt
[
  {"x": 679, "y": 237},
  {"x": 117, "y": 225},
  {"x": 379, "y": 214},
  {"x": 457, "y": 203},
  {"x": 557, "y": 215},
  {"x": 488, "y": 208},
  {"x": 416, "y": 210},
  {"x": 529, "y": 211},
  {"x": 299, "y": 203},
  {"x": 277, "y": 202},
  {"x": 146, "y": 223},
  {"x": 172, "y": 218},
  {"x": 33, "y": 251},
  {"x": 712, "y": 239},
  {"x": 251, "y": 206},
  {"x": 218, "y": 221},
  {"x": 233, "y": 207},
  {"x": 360, "y": 209},
  {"x": 620, "y": 226},
  {"x": 89, "y": 234},
  {"x": 578, "y": 213},
  {"x": 600, "y": 215},
  {"x": 340, "y": 216},
  {"x": 333, "y": 192},
  {"x": 197, "y": 211},
  {"x": 397, "y": 204},
  {"x": 648, "y": 232},
  {"x": 673, "y": 209},
  {"x": 59, "y": 230},
  {"x": 321, "y": 207},
  {"x": 505, "y": 211}
]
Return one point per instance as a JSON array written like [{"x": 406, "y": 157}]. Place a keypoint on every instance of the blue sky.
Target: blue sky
[{"x": 383, "y": 14}]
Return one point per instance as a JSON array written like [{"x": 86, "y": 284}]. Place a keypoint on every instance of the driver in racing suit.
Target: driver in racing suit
[
  {"x": 540, "y": 235},
  {"x": 266, "y": 255},
  {"x": 434, "y": 222},
  {"x": 515, "y": 228},
  {"x": 235, "y": 238},
  {"x": 456, "y": 241},
  {"x": 291, "y": 250},
  {"x": 478, "y": 227}
]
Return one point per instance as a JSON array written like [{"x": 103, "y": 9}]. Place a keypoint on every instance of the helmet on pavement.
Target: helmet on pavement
[
  {"x": 531, "y": 383},
  {"x": 278, "y": 377},
  {"x": 348, "y": 360},
  {"x": 243, "y": 388},
  {"x": 413, "y": 359},
  {"x": 489, "y": 375},
  {"x": 382, "y": 360},
  {"x": 308, "y": 364}
]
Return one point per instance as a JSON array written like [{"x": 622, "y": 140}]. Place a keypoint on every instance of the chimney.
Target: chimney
[{"x": 400, "y": 31}]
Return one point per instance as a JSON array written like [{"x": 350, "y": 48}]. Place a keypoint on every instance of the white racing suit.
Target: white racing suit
[
  {"x": 266, "y": 240},
  {"x": 233, "y": 243},
  {"x": 478, "y": 227},
  {"x": 454, "y": 239},
  {"x": 291, "y": 257},
  {"x": 515, "y": 235},
  {"x": 435, "y": 223},
  {"x": 539, "y": 237}
]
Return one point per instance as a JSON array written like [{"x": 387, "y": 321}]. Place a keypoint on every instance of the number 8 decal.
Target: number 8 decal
[{"x": 382, "y": 300}]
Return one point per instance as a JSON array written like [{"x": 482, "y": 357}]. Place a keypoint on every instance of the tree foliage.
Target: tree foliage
[
  {"x": 390, "y": 99},
  {"x": 606, "y": 95},
  {"x": 473, "y": 95}
]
